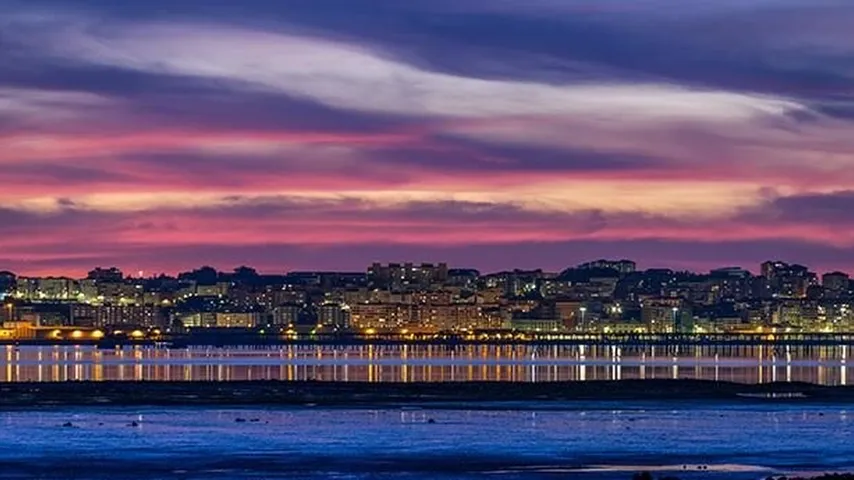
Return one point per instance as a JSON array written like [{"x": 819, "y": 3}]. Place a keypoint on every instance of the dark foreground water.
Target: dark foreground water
[{"x": 577, "y": 440}]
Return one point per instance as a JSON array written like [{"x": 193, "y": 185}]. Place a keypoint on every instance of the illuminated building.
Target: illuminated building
[
  {"x": 334, "y": 315},
  {"x": 19, "y": 330},
  {"x": 44, "y": 289},
  {"x": 117, "y": 315},
  {"x": 621, "y": 266},
  {"x": 666, "y": 315},
  {"x": 569, "y": 314},
  {"x": 198, "y": 320},
  {"x": 593, "y": 297},
  {"x": 379, "y": 315},
  {"x": 535, "y": 324},
  {"x": 406, "y": 275},
  {"x": 448, "y": 317},
  {"x": 118, "y": 293},
  {"x": 835, "y": 316},
  {"x": 237, "y": 320},
  {"x": 285, "y": 315},
  {"x": 275, "y": 296},
  {"x": 797, "y": 314},
  {"x": 212, "y": 290},
  {"x": 788, "y": 281}
]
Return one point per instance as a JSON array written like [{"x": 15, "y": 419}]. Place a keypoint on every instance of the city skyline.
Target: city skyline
[
  {"x": 427, "y": 239},
  {"x": 361, "y": 268},
  {"x": 331, "y": 133},
  {"x": 409, "y": 299}
]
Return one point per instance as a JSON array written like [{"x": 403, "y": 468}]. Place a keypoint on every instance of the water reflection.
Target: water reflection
[{"x": 428, "y": 363}]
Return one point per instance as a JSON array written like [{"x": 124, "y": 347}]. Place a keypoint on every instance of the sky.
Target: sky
[{"x": 493, "y": 134}]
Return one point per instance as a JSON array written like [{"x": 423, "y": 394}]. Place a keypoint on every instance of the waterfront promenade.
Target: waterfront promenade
[{"x": 507, "y": 338}]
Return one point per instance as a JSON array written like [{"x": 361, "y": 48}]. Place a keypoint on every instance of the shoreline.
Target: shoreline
[
  {"x": 451, "y": 343},
  {"x": 430, "y": 395},
  {"x": 256, "y": 339}
]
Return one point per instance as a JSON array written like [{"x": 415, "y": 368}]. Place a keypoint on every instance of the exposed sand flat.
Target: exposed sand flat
[{"x": 434, "y": 394}]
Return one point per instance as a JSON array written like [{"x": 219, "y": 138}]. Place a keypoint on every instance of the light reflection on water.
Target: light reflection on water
[{"x": 428, "y": 363}]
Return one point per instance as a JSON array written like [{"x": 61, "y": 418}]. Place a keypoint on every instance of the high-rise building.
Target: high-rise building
[
  {"x": 7, "y": 283},
  {"x": 286, "y": 314},
  {"x": 788, "y": 281},
  {"x": 111, "y": 274},
  {"x": 770, "y": 268},
  {"x": 396, "y": 275},
  {"x": 729, "y": 283},
  {"x": 334, "y": 315},
  {"x": 622, "y": 266},
  {"x": 836, "y": 284}
]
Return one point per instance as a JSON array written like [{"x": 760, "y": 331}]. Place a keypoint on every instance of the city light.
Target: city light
[{"x": 399, "y": 299}]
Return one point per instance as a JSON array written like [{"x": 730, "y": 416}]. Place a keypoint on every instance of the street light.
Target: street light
[
  {"x": 675, "y": 319},
  {"x": 583, "y": 311}
]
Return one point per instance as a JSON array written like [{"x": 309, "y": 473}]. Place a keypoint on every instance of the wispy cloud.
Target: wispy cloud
[
  {"x": 469, "y": 129},
  {"x": 355, "y": 77}
]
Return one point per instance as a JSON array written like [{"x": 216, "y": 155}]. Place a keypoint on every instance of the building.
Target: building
[
  {"x": 463, "y": 277},
  {"x": 729, "y": 283},
  {"x": 111, "y": 274},
  {"x": 118, "y": 293},
  {"x": 494, "y": 317},
  {"x": 836, "y": 317},
  {"x": 46, "y": 289},
  {"x": 286, "y": 315},
  {"x": 7, "y": 283},
  {"x": 448, "y": 317},
  {"x": 380, "y": 315},
  {"x": 117, "y": 316},
  {"x": 571, "y": 314},
  {"x": 666, "y": 315},
  {"x": 237, "y": 320},
  {"x": 274, "y": 296},
  {"x": 197, "y": 319},
  {"x": 800, "y": 315},
  {"x": 43, "y": 314},
  {"x": 623, "y": 267},
  {"x": 788, "y": 281},
  {"x": 836, "y": 285},
  {"x": 334, "y": 315},
  {"x": 219, "y": 289},
  {"x": 397, "y": 276},
  {"x": 535, "y": 324},
  {"x": 18, "y": 330}
]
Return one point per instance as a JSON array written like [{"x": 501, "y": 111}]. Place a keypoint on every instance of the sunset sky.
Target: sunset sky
[{"x": 328, "y": 134}]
